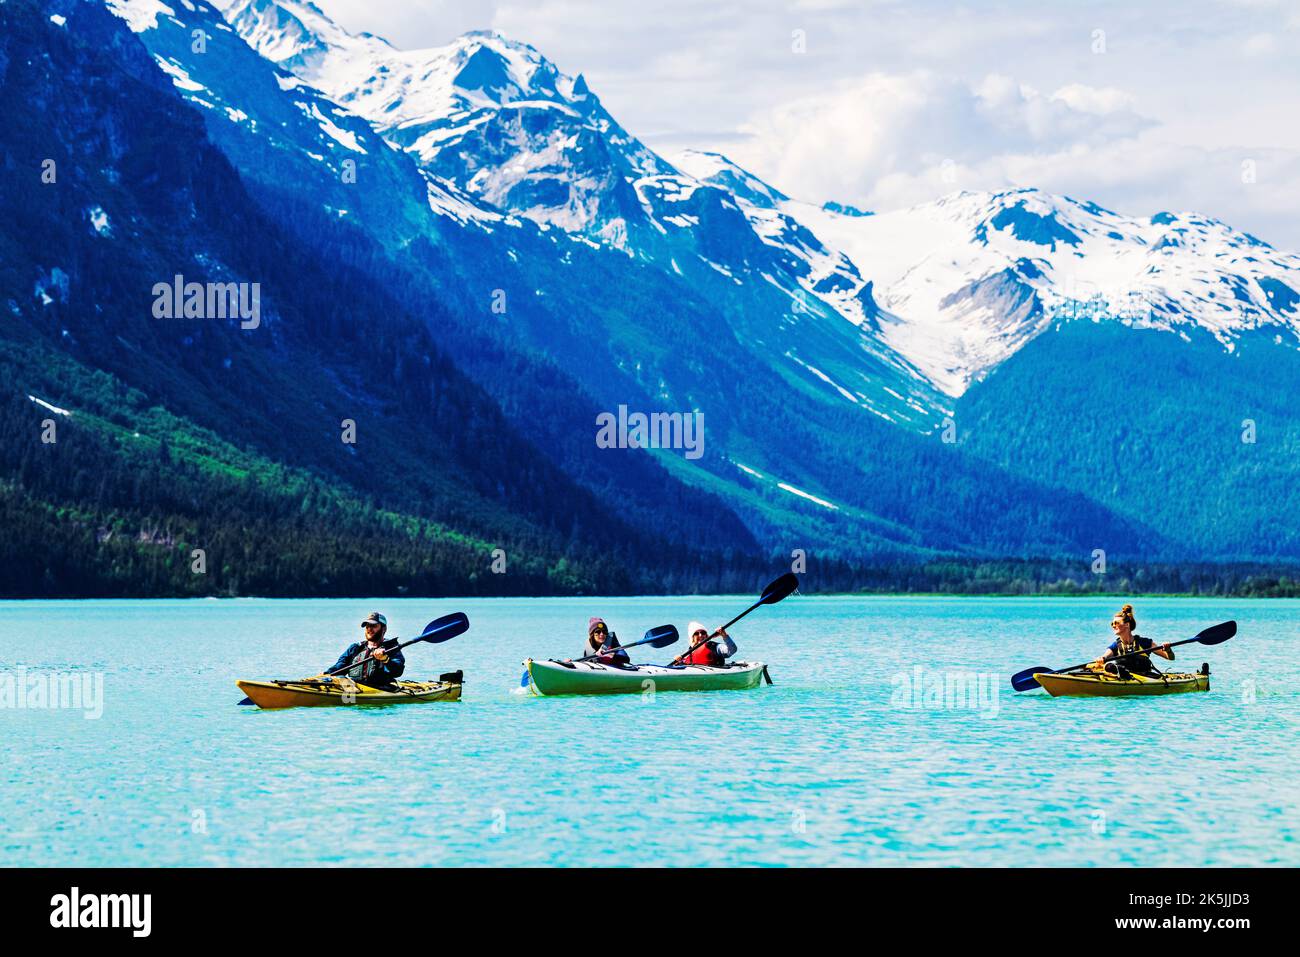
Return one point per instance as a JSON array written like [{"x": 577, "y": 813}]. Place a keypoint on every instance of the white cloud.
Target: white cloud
[
  {"x": 884, "y": 128},
  {"x": 1260, "y": 44},
  {"x": 884, "y": 142},
  {"x": 1090, "y": 99}
]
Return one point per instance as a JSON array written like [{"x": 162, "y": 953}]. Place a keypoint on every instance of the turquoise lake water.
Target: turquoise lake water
[{"x": 838, "y": 763}]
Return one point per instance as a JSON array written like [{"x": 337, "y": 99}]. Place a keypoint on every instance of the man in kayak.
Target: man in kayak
[
  {"x": 371, "y": 664},
  {"x": 604, "y": 643},
  {"x": 1125, "y": 642},
  {"x": 704, "y": 650}
]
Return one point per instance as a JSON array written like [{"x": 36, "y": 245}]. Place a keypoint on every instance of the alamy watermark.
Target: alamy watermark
[
  {"x": 67, "y": 690},
  {"x": 946, "y": 691},
  {"x": 179, "y": 299},
  {"x": 654, "y": 430},
  {"x": 76, "y": 909}
]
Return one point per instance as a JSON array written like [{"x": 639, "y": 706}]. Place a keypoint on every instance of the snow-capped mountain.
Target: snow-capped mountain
[
  {"x": 968, "y": 279},
  {"x": 489, "y": 114},
  {"x": 822, "y": 272},
  {"x": 496, "y": 121},
  {"x": 960, "y": 284},
  {"x": 247, "y": 105},
  {"x": 699, "y": 316}
]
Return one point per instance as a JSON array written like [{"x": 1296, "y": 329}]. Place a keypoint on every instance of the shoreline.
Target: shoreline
[{"x": 646, "y": 596}]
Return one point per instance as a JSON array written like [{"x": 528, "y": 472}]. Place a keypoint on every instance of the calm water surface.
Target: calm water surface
[{"x": 839, "y": 763}]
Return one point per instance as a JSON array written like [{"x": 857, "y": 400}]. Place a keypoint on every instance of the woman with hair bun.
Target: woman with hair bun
[{"x": 1127, "y": 642}]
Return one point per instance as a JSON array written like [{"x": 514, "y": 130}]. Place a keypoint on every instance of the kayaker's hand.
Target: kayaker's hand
[
  {"x": 379, "y": 655},
  {"x": 1165, "y": 647}
]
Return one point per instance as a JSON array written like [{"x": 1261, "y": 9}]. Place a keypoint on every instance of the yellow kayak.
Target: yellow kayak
[
  {"x": 314, "y": 692},
  {"x": 1097, "y": 685}
]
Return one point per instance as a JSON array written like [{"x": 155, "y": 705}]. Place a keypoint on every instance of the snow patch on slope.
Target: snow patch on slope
[
  {"x": 140, "y": 15},
  {"x": 53, "y": 408}
]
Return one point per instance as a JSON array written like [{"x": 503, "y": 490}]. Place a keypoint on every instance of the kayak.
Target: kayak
[
  {"x": 589, "y": 677},
  {"x": 311, "y": 692},
  {"x": 1108, "y": 686}
]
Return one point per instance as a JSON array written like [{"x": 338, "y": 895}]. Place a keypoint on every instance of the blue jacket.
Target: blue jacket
[{"x": 372, "y": 672}]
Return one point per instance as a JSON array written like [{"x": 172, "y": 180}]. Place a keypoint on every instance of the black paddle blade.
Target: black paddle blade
[
  {"x": 1024, "y": 681},
  {"x": 783, "y": 587},
  {"x": 444, "y": 628},
  {"x": 1217, "y": 634},
  {"x": 246, "y": 701},
  {"x": 660, "y": 637}
]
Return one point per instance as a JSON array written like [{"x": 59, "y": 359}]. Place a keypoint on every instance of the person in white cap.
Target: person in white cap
[
  {"x": 704, "y": 650},
  {"x": 372, "y": 663}
]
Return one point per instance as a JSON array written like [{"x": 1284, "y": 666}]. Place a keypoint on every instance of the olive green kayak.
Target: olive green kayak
[
  {"x": 313, "y": 692},
  {"x": 1091, "y": 684}
]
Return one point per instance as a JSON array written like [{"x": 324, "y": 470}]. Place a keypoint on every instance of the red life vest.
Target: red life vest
[{"x": 706, "y": 654}]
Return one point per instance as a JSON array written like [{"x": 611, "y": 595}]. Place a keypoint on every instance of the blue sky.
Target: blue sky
[{"x": 1177, "y": 105}]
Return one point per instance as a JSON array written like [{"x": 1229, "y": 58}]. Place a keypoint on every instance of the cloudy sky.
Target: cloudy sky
[{"x": 1181, "y": 105}]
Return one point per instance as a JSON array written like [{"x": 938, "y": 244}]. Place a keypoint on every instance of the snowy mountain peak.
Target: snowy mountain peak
[
  {"x": 717, "y": 170},
  {"x": 481, "y": 68},
  {"x": 484, "y": 112},
  {"x": 288, "y": 32},
  {"x": 964, "y": 281}
]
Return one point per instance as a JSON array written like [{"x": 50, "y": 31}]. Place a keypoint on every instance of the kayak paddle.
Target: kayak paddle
[
  {"x": 435, "y": 632},
  {"x": 660, "y": 637},
  {"x": 782, "y": 587},
  {"x": 1214, "y": 635}
]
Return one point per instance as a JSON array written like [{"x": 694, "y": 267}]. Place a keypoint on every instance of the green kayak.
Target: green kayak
[{"x": 589, "y": 677}]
